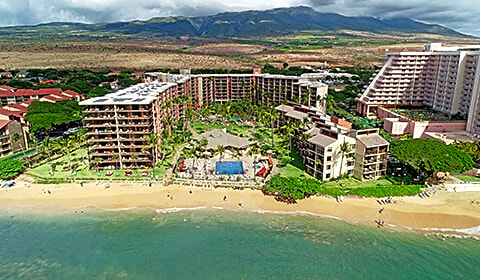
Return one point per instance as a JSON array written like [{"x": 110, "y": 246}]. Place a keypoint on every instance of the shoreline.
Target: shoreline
[{"x": 446, "y": 213}]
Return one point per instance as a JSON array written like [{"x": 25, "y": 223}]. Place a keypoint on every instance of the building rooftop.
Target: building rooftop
[
  {"x": 140, "y": 94},
  {"x": 372, "y": 140},
  {"x": 296, "y": 115},
  {"x": 322, "y": 140},
  {"x": 218, "y": 137},
  {"x": 4, "y": 123}
]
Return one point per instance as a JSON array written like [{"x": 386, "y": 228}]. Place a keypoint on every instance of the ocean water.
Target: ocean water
[{"x": 220, "y": 244}]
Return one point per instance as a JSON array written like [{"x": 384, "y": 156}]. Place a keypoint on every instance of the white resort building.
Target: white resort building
[{"x": 444, "y": 79}]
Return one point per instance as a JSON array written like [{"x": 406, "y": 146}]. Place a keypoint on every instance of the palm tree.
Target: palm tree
[
  {"x": 46, "y": 144},
  {"x": 344, "y": 151},
  {"x": 97, "y": 161},
  {"x": 115, "y": 158},
  {"x": 317, "y": 162},
  {"x": 220, "y": 150},
  {"x": 329, "y": 102},
  {"x": 64, "y": 144},
  {"x": 290, "y": 129},
  {"x": 152, "y": 141},
  {"x": 135, "y": 158},
  {"x": 268, "y": 117},
  {"x": 254, "y": 152},
  {"x": 78, "y": 139}
]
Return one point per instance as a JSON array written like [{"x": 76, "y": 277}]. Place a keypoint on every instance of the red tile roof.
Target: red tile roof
[
  {"x": 7, "y": 88},
  {"x": 3, "y": 123},
  {"x": 18, "y": 107},
  {"x": 51, "y": 98},
  {"x": 71, "y": 92},
  {"x": 9, "y": 113}
]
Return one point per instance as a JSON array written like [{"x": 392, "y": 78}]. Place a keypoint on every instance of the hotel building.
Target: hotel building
[
  {"x": 445, "y": 79},
  {"x": 118, "y": 122}
]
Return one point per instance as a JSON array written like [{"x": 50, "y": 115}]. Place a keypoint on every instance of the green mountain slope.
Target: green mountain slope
[{"x": 276, "y": 22}]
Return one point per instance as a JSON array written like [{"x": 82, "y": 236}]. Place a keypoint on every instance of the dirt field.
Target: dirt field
[{"x": 142, "y": 56}]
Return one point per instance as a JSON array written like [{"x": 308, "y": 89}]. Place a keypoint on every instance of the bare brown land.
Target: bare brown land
[{"x": 148, "y": 55}]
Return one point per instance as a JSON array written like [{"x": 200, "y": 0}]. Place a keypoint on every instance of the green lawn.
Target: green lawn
[
  {"x": 467, "y": 178},
  {"x": 292, "y": 171},
  {"x": 62, "y": 171},
  {"x": 200, "y": 127},
  {"x": 354, "y": 183}
]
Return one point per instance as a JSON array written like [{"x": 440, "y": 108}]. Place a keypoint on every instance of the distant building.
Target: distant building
[{"x": 445, "y": 79}]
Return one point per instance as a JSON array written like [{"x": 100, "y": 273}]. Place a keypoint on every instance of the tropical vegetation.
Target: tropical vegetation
[
  {"x": 431, "y": 156},
  {"x": 10, "y": 168}
]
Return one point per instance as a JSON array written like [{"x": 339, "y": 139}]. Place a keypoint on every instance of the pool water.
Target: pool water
[{"x": 228, "y": 167}]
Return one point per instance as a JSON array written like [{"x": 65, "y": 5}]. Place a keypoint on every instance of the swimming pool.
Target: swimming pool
[{"x": 228, "y": 167}]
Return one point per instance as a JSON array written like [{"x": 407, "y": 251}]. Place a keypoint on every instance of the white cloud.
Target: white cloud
[{"x": 459, "y": 15}]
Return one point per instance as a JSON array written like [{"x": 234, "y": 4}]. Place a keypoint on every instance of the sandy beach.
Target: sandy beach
[{"x": 445, "y": 210}]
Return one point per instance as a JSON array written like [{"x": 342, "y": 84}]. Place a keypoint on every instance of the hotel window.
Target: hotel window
[{"x": 327, "y": 176}]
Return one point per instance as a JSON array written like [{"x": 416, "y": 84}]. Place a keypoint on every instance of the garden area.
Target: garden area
[{"x": 62, "y": 169}]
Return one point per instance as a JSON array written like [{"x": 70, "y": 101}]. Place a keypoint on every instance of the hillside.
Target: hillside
[{"x": 247, "y": 24}]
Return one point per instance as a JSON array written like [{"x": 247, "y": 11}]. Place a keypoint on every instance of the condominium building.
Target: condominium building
[
  {"x": 320, "y": 143},
  {"x": 370, "y": 154},
  {"x": 118, "y": 122},
  {"x": 445, "y": 79},
  {"x": 12, "y": 138}
]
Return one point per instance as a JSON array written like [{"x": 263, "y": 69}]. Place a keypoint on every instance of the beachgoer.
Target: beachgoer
[
  {"x": 241, "y": 203},
  {"x": 224, "y": 198},
  {"x": 381, "y": 210},
  {"x": 43, "y": 191},
  {"x": 81, "y": 184},
  {"x": 82, "y": 212},
  {"x": 455, "y": 189},
  {"x": 168, "y": 195},
  {"x": 49, "y": 192},
  {"x": 150, "y": 184},
  {"x": 153, "y": 218},
  {"x": 190, "y": 191}
]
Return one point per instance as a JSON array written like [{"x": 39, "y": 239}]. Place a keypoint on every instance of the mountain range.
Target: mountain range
[{"x": 247, "y": 24}]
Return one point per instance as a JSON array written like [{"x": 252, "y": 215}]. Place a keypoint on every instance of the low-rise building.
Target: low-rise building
[{"x": 12, "y": 138}]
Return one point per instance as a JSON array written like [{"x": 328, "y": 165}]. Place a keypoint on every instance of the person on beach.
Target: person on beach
[
  {"x": 81, "y": 184},
  {"x": 241, "y": 203},
  {"x": 381, "y": 210},
  {"x": 49, "y": 192},
  {"x": 224, "y": 198}
]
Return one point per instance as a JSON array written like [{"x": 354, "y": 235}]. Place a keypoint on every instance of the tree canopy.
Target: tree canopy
[
  {"x": 43, "y": 115},
  {"x": 10, "y": 168},
  {"x": 431, "y": 156}
]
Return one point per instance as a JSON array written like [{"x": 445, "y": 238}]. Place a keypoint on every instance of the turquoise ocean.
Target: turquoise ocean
[{"x": 220, "y": 244}]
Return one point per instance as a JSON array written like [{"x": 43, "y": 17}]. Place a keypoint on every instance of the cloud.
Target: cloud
[{"x": 459, "y": 15}]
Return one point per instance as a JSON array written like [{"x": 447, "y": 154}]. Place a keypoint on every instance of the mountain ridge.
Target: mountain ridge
[{"x": 246, "y": 24}]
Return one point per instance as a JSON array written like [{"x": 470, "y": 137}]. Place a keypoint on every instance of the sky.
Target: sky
[{"x": 460, "y": 15}]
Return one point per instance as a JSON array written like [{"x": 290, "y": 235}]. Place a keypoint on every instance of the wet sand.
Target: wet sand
[{"x": 445, "y": 210}]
